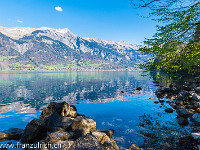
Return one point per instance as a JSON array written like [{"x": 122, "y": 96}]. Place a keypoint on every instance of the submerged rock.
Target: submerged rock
[
  {"x": 35, "y": 130},
  {"x": 169, "y": 110},
  {"x": 11, "y": 134},
  {"x": 183, "y": 121},
  {"x": 139, "y": 88}
]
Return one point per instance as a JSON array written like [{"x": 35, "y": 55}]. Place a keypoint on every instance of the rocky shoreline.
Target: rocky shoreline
[
  {"x": 185, "y": 100},
  {"x": 60, "y": 127}
]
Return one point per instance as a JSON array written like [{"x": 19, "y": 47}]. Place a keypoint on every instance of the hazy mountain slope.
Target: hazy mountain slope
[{"x": 47, "y": 48}]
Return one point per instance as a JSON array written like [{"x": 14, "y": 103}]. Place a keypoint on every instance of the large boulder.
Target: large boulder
[
  {"x": 62, "y": 109},
  {"x": 83, "y": 122},
  {"x": 11, "y": 134},
  {"x": 59, "y": 123},
  {"x": 35, "y": 130},
  {"x": 87, "y": 142}
]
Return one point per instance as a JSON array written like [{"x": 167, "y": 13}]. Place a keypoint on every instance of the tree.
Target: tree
[{"x": 175, "y": 45}]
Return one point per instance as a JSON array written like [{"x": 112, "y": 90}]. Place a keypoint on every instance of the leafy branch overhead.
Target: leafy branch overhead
[{"x": 175, "y": 45}]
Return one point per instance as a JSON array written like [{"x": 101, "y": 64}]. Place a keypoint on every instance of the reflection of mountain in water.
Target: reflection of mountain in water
[{"x": 38, "y": 89}]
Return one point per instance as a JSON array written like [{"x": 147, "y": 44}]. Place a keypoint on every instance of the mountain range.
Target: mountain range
[{"x": 24, "y": 48}]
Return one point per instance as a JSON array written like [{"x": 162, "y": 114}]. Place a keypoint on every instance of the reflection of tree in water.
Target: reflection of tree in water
[{"x": 161, "y": 131}]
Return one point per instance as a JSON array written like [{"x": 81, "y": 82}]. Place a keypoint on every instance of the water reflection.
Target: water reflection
[
  {"x": 24, "y": 95},
  {"x": 36, "y": 90}
]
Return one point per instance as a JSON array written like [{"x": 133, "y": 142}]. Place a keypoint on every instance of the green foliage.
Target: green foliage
[
  {"x": 2, "y": 58},
  {"x": 175, "y": 45}
]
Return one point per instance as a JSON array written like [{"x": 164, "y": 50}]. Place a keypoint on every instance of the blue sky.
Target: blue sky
[{"x": 104, "y": 19}]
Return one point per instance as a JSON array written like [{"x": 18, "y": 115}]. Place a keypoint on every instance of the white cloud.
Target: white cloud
[
  {"x": 58, "y": 8},
  {"x": 19, "y": 21}
]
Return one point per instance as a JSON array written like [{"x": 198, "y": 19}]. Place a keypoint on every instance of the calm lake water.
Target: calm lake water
[{"x": 110, "y": 98}]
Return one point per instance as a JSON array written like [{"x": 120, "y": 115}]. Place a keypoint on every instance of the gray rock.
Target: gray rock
[
  {"x": 196, "y": 136},
  {"x": 196, "y": 97},
  {"x": 182, "y": 121},
  {"x": 183, "y": 95},
  {"x": 109, "y": 132},
  {"x": 178, "y": 107},
  {"x": 62, "y": 109},
  {"x": 169, "y": 110},
  {"x": 59, "y": 123},
  {"x": 182, "y": 112},
  {"x": 42, "y": 146},
  {"x": 11, "y": 134},
  {"x": 56, "y": 136},
  {"x": 198, "y": 110},
  {"x": 101, "y": 136},
  {"x": 87, "y": 142},
  {"x": 110, "y": 145},
  {"x": 179, "y": 102},
  {"x": 83, "y": 122},
  {"x": 134, "y": 147},
  {"x": 197, "y": 104},
  {"x": 79, "y": 132},
  {"x": 160, "y": 93},
  {"x": 196, "y": 117},
  {"x": 73, "y": 112},
  {"x": 35, "y": 130},
  {"x": 62, "y": 145},
  {"x": 197, "y": 90}
]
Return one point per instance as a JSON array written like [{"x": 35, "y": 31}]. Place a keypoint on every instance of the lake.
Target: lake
[{"x": 109, "y": 97}]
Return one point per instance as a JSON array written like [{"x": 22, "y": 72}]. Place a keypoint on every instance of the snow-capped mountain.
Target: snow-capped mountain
[{"x": 37, "y": 47}]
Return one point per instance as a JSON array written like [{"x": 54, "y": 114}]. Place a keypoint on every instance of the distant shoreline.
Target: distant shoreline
[{"x": 58, "y": 70}]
